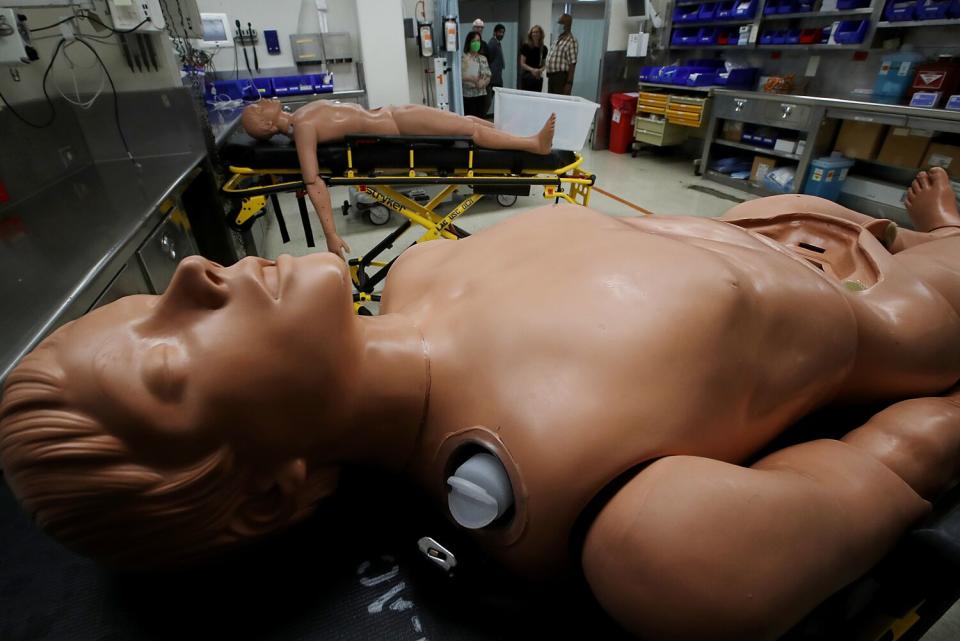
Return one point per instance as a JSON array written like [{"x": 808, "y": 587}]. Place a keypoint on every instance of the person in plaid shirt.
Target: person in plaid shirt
[{"x": 562, "y": 60}]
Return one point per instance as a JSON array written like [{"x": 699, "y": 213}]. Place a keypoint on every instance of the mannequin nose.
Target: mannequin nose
[{"x": 197, "y": 282}]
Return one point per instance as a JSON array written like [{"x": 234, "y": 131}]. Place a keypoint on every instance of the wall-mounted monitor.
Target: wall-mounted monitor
[{"x": 216, "y": 30}]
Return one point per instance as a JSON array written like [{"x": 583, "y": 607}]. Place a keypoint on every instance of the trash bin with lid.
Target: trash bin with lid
[{"x": 621, "y": 122}]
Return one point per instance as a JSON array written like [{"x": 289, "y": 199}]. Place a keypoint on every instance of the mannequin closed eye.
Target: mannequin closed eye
[{"x": 164, "y": 372}]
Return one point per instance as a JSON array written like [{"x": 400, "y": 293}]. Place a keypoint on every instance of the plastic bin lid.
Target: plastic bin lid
[{"x": 835, "y": 161}]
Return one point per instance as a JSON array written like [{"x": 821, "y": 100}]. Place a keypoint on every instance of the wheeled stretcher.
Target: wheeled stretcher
[{"x": 382, "y": 165}]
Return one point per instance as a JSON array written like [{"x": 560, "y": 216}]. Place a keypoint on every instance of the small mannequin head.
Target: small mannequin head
[
  {"x": 499, "y": 31},
  {"x": 157, "y": 430},
  {"x": 264, "y": 119}
]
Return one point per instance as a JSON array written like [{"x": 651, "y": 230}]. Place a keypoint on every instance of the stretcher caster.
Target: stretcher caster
[
  {"x": 378, "y": 215},
  {"x": 506, "y": 200}
]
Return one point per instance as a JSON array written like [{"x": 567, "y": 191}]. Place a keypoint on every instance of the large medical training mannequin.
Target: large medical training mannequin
[
  {"x": 644, "y": 359},
  {"x": 324, "y": 121}
]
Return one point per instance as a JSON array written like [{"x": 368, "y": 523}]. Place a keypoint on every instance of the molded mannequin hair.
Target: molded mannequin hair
[
  {"x": 83, "y": 486},
  {"x": 254, "y": 123}
]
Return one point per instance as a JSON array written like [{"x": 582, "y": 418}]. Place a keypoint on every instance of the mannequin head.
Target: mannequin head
[
  {"x": 264, "y": 119},
  {"x": 159, "y": 429}
]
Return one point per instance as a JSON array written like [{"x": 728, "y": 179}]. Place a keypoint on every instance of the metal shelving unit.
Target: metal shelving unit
[
  {"x": 946, "y": 22},
  {"x": 663, "y": 85},
  {"x": 742, "y": 185},
  {"x": 873, "y": 13},
  {"x": 769, "y": 151},
  {"x": 817, "y": 14}
]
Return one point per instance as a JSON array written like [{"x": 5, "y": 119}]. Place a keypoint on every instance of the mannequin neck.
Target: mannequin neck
[{"x": 389, "y": 393}]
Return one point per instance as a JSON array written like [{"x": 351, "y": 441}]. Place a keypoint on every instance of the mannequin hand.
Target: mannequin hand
[{"x": 338, "y": 246}]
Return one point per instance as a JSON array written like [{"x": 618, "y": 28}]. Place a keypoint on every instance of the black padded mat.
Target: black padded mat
[
  {"x": 349, "y": 572},
  {"x": 280, "y": 153}
]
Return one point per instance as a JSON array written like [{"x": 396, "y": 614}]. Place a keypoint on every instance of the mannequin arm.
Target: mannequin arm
[
  {"x": 694, "y": 548},
  {"x": 305, "y": 139}
]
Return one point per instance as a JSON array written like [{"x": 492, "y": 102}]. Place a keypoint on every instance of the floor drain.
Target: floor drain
[{"x": 715, "y": 192}]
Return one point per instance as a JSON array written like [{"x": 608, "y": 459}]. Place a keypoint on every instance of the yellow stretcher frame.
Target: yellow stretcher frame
[{"x": 569, "y": 183}]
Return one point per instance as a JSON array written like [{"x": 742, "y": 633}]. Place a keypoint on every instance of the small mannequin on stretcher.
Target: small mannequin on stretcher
[{"x": 325, "y": 121}]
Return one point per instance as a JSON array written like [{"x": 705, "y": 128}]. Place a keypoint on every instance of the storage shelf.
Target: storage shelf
[
  {"x": 663, "y": 85},
  {"x": 756, "y": 149},
  {"x": 728, "y": 47},
  {"x": 817, "y": 14},
  {"x": 819, "y": 46},
  {"x": 946, "y": 22},
  {"x": 714, "y": 23},
  {"x": 742, "y": 185}
]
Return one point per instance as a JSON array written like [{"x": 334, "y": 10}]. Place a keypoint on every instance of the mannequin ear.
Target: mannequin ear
[{"x": 272, "y": 500}]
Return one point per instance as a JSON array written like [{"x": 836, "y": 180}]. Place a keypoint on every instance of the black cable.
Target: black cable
[
  {"x": 116, "y": 99},
  {"x": 53, "y": 110},
  {"x": 91, "y": 18}
]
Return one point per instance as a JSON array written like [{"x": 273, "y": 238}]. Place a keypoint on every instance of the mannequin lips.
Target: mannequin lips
[{"x": 271, "y": 280}]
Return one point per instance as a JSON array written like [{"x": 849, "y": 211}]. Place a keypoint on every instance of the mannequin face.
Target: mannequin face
[
  {"x": 265, "y": 118},
  {"x": 232, "y": 354}
]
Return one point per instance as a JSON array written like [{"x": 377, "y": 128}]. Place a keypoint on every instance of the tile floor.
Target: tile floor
[{"x": 657, "y": 183}]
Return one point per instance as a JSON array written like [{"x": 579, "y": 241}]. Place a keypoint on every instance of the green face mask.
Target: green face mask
[{"x": 475, "y": 46}]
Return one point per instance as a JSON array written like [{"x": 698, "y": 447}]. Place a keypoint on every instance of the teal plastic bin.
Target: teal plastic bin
[{"x": 826, "y": 175}]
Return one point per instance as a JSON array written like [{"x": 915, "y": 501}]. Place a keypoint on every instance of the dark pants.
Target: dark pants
[
  {"x": 556, "y": 81},
  {"x": 474, "y": 106},
  {"x": 529, "y": 83}
]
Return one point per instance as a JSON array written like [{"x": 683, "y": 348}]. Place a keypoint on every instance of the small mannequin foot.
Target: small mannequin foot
[{"x": 931, "y": 201}]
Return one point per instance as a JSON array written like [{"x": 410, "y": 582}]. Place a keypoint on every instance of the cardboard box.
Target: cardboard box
[
  {"x": 860, "y": 139},
  {"x": 761, "y": 165},
  {"x": 785, "y": 145},
  {"x": 904, "y": 147},
  {"x": 732, "y": 130},
  {"x": 946, "y": 156}
]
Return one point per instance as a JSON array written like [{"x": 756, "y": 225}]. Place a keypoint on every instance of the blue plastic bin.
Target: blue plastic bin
[
  {"x": 900, "y": 10},
  {"x": 708, "y": 11},
  {"x": 772, "y": 7},
  {"x": 846, "y": 5},
  {"x": 786, "y": 6},
  {"x": 287, "y": 86},
  {"x": 793, "y": 37},
  {"x": 779, "y": 37},
  {"x": 851, "y": 31},
  {"x": 826, "y": 175},
  {"x": 933, "y": 9},
  {"x": 725, "y": 9},
  {"x": 766, "y": 37},
  {"x": 707, "y": 36},
  {"x": 744, "y": 9},
  {"x": 895, "y": 76},
  {"x": 317, "y": 83},
  {"x": 230, "y": 88},
  {"x": 955, "y": 9},
  {"x": 745, "y": 78},
  {"x": 686, "y": 13},
  {"x": 650, "y": 74}
]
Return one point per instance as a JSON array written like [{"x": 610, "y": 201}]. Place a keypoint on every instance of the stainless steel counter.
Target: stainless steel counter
[
  {"x": 858, "y": 109},
  {"x": 72, "y": 238}
]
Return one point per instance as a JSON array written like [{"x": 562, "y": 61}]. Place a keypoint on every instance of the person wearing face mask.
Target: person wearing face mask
[{"x": 476, "y": 76}]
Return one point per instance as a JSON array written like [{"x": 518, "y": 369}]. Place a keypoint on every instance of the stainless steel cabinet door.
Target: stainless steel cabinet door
[
  {"x": 165, "y": 248},
  {"x": 129, "y": 281}
]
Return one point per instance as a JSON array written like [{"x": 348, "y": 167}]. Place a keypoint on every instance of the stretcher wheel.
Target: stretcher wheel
[
  {"x": 345, "y": 207},
  {"x": 378, "y": 215},
  {"x": 506, "y": 200}
]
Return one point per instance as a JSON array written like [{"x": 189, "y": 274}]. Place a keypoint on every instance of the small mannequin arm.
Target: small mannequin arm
[{"x": 306, "y": 141}]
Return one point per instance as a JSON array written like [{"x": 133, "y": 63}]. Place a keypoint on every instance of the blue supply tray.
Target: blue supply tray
[
  {"x": 772, "y": 7},
  {"x": 955, "y": 9},
  {"x": 846, "y": 5},
  {"x": 686, "y": 13},
  {"x": 766, "y": 38},
  {"x": 851, "y": 31},
  {"x": 900, "y": 10},
  {"x": 793, "y": 37},
  {"x": 686, "y": 36},
  {"x": 779, "y": 37},
  {"x": 744, "y": 9},
  {"x": 708, "y": 11},
  {"x": 725, "y": 9},
  {"x": 745, "y": 78},
  {"x": 932, "y": 9},
  {"x": 707, "y": 36},
  {"x": 650, "y": 73}
]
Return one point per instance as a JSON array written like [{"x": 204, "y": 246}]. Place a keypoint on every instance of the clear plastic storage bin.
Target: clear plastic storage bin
[
  {"x": 523, "y": 113},
  {"x": 826, "y": 175}
]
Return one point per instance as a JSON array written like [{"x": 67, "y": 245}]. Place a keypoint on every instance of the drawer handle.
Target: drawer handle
[
  {"x": 787, "y": 110},
  {"x": 169, "y": 247},
  {"x": 738, "y": 104}
]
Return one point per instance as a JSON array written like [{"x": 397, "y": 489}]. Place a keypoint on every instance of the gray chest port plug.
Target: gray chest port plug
[{"x": 480, "y": 491}]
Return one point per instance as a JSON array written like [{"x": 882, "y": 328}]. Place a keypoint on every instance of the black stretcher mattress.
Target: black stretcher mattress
[{"x": 445, "y": 155}]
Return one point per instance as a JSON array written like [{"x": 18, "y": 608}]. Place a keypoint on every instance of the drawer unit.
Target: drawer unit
[
  {"x": 895, "y": 120},
  {"x": 687, "y": 111},
  {"x": 786, "y": 114},
  {"x": 733, "y": 108},
  {"x": 658, "y": 132},
  {"x": 654, "y": 103}
]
